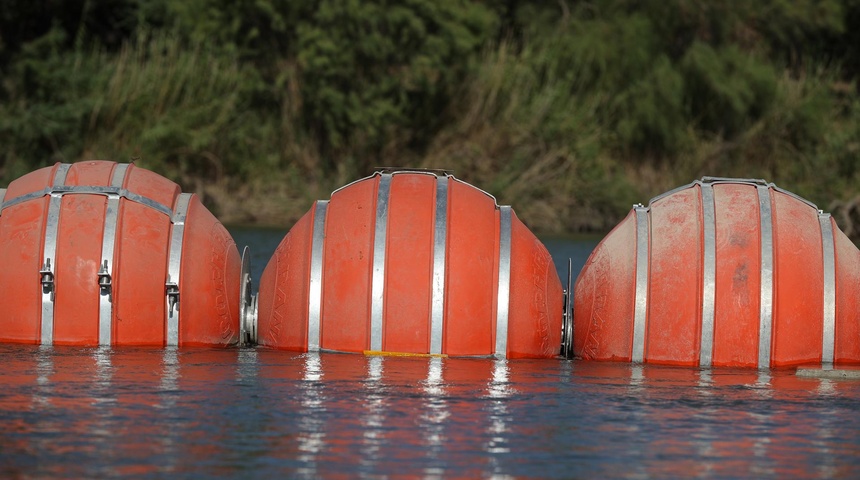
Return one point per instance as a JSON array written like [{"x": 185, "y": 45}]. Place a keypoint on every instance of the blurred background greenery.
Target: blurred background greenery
[{"x": 569, "y": 110}]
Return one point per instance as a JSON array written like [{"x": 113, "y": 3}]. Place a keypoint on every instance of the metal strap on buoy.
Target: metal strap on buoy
[
  {"x": 378, "y": 278},
  {"x": 107, "y": 263},
  {"x": 171, "y": 287},
  {"x": 49, "y": 253},
  {"x": 765, "y": 332},
  {"x": 440, "y": 246},
  {"x": 504, "y": 289},
  {"x": 641, "y": 308},
  {"x": 829, "y": 267},
  {"x": 315, "y": 290},
  {"x": 709, "y": 274}
]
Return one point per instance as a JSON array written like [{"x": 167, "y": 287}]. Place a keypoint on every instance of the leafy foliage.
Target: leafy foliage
[{"x": 569, "y": 110}]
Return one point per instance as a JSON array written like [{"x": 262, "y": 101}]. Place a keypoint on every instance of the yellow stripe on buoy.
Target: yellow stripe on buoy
[{"x": 403, "y": 354}]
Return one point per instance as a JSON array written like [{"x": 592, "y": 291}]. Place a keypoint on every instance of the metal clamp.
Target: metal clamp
[
  {"x": 104, "y": 279},
  {"x": 567, "y": 316},
  {"x": 247, "y": 304},
  {"x": 47, "y": 278},
  {"x": 171, "y": 289}
]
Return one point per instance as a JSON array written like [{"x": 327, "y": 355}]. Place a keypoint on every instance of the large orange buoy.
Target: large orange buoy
[
  {"x": 411, "y": 262},
  {"x": 723, "y": 272},
  {"x": 102, "y": 253}
]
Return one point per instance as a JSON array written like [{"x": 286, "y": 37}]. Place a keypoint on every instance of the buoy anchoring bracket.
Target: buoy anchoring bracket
[
  {"x": 567, "y": 316},
  {"x": 47, "y": 278},
  {"x": 247, "y": 304},
  {"x": 171, "y": 289}
]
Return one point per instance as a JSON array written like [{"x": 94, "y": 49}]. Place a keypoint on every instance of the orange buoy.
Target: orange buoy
[
  {"x": 413, "y": 262},
  {"x": 103, "y": 253},
  {"x": 722, "y": 272}
]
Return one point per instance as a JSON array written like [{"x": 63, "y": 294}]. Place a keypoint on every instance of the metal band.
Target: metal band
[
  {"x": 106, "y": 265},
  {"x": 315, "y": 289},
  {"x": 91, "y": 190},
  {"x": 766, "y": 301},
  {"x": 49, "y": 254},
  {"x": 174, "y": 268},
  {"x": 440, "y": 242},
  {"x": 829, "y": 332},
  {"x": 706, "y": 348},
  {"x": 505, "y": 216},
  {"x": 2, "y": 196},
  {"x": 641, "y": 312},
  {"x": 379, "y": 242}
]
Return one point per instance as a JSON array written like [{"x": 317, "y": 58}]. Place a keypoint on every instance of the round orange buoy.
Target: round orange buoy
[
  {"x": 103, "y": 253},
  {"x": 724, "y": 272},
  {"x": 411, "y": 262}
]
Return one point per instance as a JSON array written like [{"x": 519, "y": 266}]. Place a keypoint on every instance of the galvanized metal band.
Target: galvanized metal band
[
  {"x": 641, "y": 309},
  {"x": 91, "y": 190},
  {"x": 49, "y": 255},
  {"x": 504, "y": 288},
  {"x": 766, "y": 297},
  {"x": 106, "y": 265},
  {"x": 315, "y": 288},
  {"x": 174, "y": 268},
  {"x": 709, "y": 283},
  {"x": 377, "y": 294},
  {"x": 2, "y": 196},
  {"x": 828, "y": 252},
  {"x": 440, "y": 242}
]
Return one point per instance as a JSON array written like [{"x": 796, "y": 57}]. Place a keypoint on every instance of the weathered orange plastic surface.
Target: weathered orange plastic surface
[
  {"x": 23, "y": 226},
  {"x": 470, "y": 264},
  {"x": 798, "y": 292},
  {"x": 738, "y": 286},
  {"x": 605, "y": 297},
  {"x": 536, "y": 297},
  {"x": 673, "y": 328},
  {"x": 847, "y": 344},
  {"x": 409, "y": 264},
  {"x": 605, "y": 291},
  {"x": 209, "y": 281},
  {"x": 283, "y": 295},
  {"x": 347, "y": 272}
]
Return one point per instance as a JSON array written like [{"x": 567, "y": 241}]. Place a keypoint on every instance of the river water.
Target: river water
[{"x": 90, "y": 412}]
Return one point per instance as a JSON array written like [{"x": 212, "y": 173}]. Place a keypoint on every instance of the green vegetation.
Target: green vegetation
[{"x": 569, "y": 110}]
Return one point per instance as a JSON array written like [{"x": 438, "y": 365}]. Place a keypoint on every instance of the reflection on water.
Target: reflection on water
[{"x": 184, "y": 413}]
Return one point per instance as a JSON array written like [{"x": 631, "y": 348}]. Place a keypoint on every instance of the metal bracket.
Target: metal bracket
[
  {"x": 172, "y": 291},
  {"x": 105, "y": 280},
  {"x": 567, "y": 317},
  {"x": 47, "y": 278},
  {"x": 247, "y": 304}
]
